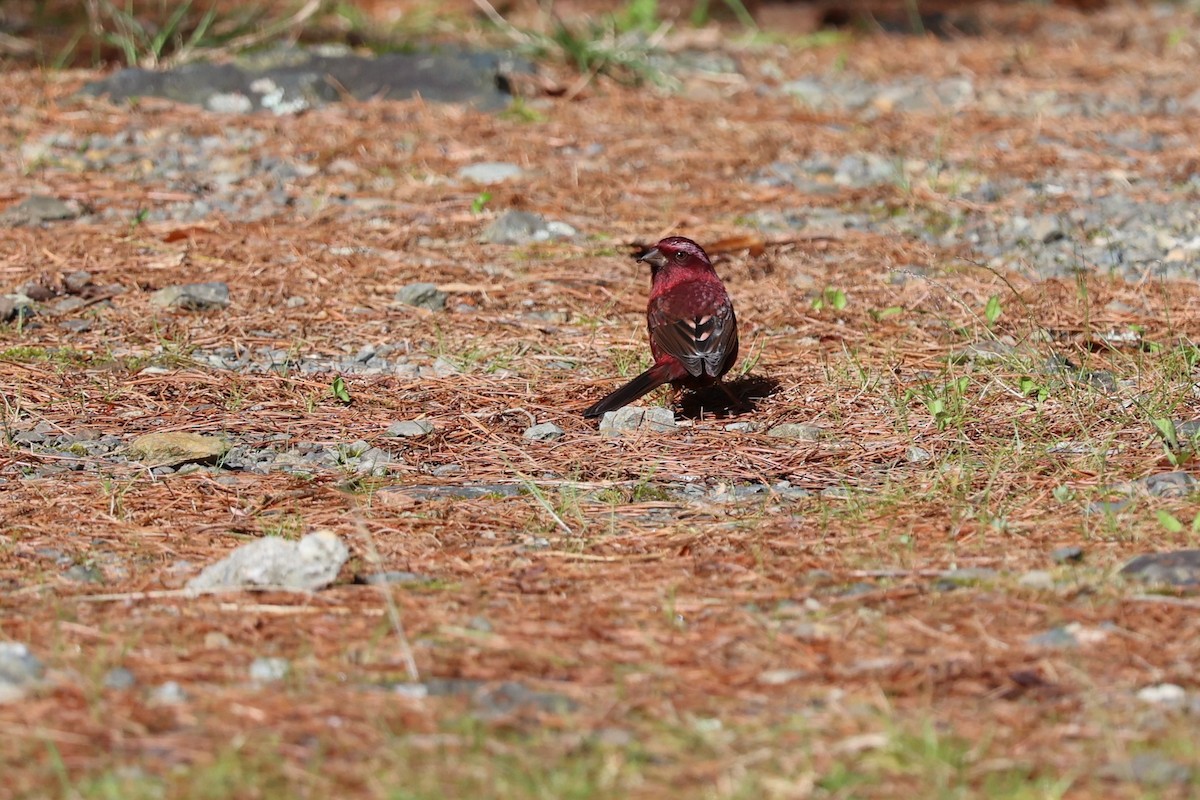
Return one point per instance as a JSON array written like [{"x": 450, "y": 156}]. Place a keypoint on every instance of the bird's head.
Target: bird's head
[{"x": 676, "y": 252}]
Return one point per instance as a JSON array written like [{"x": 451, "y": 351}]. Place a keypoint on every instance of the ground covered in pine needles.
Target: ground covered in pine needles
[{"x": 964, "y": 269}]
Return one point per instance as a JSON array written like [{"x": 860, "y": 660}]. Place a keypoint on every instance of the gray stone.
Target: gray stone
[
  {"x": 1149, "y": 769},
  {"x": 1059, "y": 638},
  {"x": 84, "y": 573},
  {"x": 916, "y": 455},
  {"x": 292, "y": 80},
  {"x": 192, "y": 296},
  {"x": 119, "y": 678},
  {"x": 658, "y": 419},
  {"x": 1047, "y": 229},
  {"x": 269, "y": 670},
  {"x": 20, "y": 671},
  {"x": 1168, "y": 484},
  {"x": 444, "y": 367},
  {"x": 395, "y": 577},
  {"x": 627, "y": 418},
  {"x": 1163, "y": 694},
  {"x": 1178, "y": 568},
  {"x": 271, "y": 562},
  {"x": 1036, "y": 579},
  {"x": 742, "y": 427},
  {"x": 545, "y": 432},
  {"x": 36, "y": 209},
  {"x": 797, "y": 431},
  {"x": 523, "y": 227},
  {"x": 488, "y": 172},
  {"x": 1068, "y": 554},
  {"x": 16, "y": 307},
  {"x": 446, "y": 470},
  {"x": 422, "y": 295},
  {"x": 410, "y": 429},
  {"x": 168, "y": 694}
]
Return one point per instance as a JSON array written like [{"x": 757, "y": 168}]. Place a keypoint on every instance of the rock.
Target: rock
[
  {"x": 742, "y": 427},
  {"x": 967, "y": 576},
  {"x": 20, "y": 671},
  {"x": 488, "y": 172},
  {"x": 1058, "y": 638},
  {"x": 192, "y": 296},
  {"x": 16, "y": 307},
  {"x": 988, "y": 351},
  {"x": 1168, "y": 484},
  {"x": 444, "y": 367},
  {"x": 545, "y": 432},
  {"x": 658, "y": 419},
  {"x": 1047, "y": 229},
  {"x": 523, "y": 227},
  {"x": 168, "y": 694},
  {"x": 393, "y": 577},
  {"x": 1178, "y": 568},
  {"x": 287, "y": 80},
  {"x": 269, "y": 670},
  {"x": 1068, "y": 554},
  {"x": 169, "y": 448},
  {"x": 37, "y": 209},
  {"x": 422, "y": 295},
  {"x": 1163, "y": 694},
  {"x": 627, "y": 418},
  {"x": 916, "y": 455},
  {"x": 1149, "y": 769},
  {"x": 409, "y": 429},
  {"x": 119, "y": 678},
  {"x": 1036, "y": 579},
  {"x": 84, "y": 573},
  {"x": 75, "y": 282},
  {"x": 797, "y": 431},
  {"x": 271, "y": 562}
]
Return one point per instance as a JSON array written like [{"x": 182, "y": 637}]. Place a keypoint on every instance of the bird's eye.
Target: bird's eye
[{"x": 680, "y": 256}]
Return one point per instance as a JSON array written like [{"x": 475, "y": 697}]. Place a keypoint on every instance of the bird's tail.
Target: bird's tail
[{"x": 645, "y": 383}]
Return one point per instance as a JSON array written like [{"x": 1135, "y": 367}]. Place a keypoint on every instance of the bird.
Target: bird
[{"x": 693, "y": 330}]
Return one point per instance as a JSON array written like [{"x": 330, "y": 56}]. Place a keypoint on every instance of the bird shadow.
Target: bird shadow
[{"x": 728, "y": 399}]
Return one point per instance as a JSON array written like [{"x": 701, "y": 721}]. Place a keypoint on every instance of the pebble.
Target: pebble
[
  {"x": 410, "y": 429},
  {"x": 1067, "y": 554},
  {"x": 20, "y": 670},
  {"x": 488, "y": 172},
  {"x": 168, "y": 694},
  {"x": 395, "y": 577},
  {"x": 422, "y": 295},
  {"x": 192, "y": 296},
  {"x": 307, "y": 565},
  {"x": 119, "y": 678},
  {"x": 545, "y": 432},
  {"x": 1036, "y": 579},
  {"x": 1177, "y": 568},
  {"x": 269, "y": 670},
  {"x": 523, "y": 227},
  {"x": 1163, "y": 694},
  {"x": 797, "y": 431}
]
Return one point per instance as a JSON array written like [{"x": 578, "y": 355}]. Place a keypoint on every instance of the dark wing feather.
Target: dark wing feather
[{"x": 696, "y": 325}]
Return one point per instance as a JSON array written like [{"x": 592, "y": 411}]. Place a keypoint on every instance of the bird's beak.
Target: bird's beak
[{"x": 653, "y": 257}]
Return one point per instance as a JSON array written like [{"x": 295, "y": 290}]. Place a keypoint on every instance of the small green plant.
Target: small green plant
[
  {"x": 339, "y": 390},
  {"x": 831, "y": 297},
  {"x": 946, "y": 403},
  {"x": 480, "y": 201},
  {"x": 880, "y": 314},
  {"x": 519, "y": 110},
  {"x": 1030, "y": 387},
  {"x": 992, "y": 311},
  {"x": 1169, "y": 521}
]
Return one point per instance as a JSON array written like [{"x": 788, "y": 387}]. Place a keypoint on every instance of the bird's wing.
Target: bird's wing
[{"x": 695, "y": 324}]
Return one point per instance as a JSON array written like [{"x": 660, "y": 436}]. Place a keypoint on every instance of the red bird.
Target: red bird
[{"x": 693, "y": 331}]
